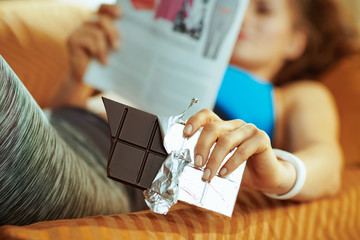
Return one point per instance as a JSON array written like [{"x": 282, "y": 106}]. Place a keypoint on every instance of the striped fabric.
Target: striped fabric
[
  {"x": 32, "y": 40},
  {"x": 255, "y": 217}
]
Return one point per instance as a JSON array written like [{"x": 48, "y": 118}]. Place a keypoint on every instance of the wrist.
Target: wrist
[
  {"x": 287, "y": 179},
  {"x": 293, "y": 176}
]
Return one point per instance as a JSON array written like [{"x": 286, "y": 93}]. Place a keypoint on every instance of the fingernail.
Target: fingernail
[
  {"x": 198, "y": 161},
  {"x": 223, "y": 171},
  {"x": 187, "y": 129},
  {"x": 206, "y": 174}
]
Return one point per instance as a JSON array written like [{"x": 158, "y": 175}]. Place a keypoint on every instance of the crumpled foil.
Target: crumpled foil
[
  {"x": 163, "y": 193},
  {"x": 164, "y": 190},
  {"x": 179, "y": 179}
]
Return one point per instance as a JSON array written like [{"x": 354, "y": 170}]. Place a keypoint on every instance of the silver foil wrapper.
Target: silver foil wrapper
[
  {"x": 179, "y": 179},
  {"x": 164, "y": 190}
]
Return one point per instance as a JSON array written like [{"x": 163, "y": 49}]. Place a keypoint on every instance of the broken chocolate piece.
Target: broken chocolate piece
[{"x": 137, "y": 150}]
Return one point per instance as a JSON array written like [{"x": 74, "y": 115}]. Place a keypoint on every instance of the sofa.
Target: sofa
[{"x": 33, "y": 41}]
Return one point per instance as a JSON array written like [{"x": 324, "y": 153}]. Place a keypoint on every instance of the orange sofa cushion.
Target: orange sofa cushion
[
  {"x": 255, "y": 217},
  {"x": 344, "y": 83},
  {"x": 33, "y": 38}
]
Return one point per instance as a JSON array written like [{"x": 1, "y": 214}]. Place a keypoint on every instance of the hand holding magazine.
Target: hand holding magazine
[{"x": 172, "y": 51}]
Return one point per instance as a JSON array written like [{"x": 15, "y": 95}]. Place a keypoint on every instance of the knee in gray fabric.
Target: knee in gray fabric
[{"x": 41, "y": 177}]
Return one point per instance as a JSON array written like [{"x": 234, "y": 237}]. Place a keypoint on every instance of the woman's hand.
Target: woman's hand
[
  {"x": 263, "y": 170},
  {"x": 94, "y": 38}
]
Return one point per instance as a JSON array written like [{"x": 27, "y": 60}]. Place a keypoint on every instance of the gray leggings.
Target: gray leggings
[{"x": 47, "y": 173}]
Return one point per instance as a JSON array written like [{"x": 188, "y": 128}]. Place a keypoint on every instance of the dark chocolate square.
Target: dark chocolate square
[
  {"x": 126, "y": 162},
  {"x": 115, "y": 117},
  {"x": 157, "y": 144},
  {"x": 153, "y": 162},
  {"x": 137, "y": 127}
]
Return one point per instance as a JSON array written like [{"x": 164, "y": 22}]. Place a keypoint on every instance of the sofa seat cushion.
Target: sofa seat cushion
[{"x": 255, "y": 217}]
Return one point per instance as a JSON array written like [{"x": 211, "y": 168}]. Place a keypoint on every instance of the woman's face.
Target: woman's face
[{"x": 266, "y": 35}]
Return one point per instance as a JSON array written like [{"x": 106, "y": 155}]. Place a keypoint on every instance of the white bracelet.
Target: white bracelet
[{"x": 300, "y": 174}]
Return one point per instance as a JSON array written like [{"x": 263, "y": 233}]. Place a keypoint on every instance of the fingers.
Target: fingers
[
  {"x": 106, "y": 15},
  {"x": 86, "y": 42},
  {"x": 198, "y": 120},
  {"x": 215, "y": 132},
  {"x": 228, "y": 135},
  {"x": 113, "y": 10},
  {"x": 92, "y": 40},
  {"x": 95, "y": 37},
  {"x": 79, "y": 64},
  {"x": 258, "y": 143},
  {"x": 242, "y": 138},
  {"x": 107, "y": 25}
]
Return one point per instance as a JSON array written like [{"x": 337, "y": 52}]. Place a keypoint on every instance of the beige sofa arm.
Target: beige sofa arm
[{"x": 33, "y": 41}]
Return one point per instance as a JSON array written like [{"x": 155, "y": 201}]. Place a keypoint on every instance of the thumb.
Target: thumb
[{"x": 112, "y": 10}]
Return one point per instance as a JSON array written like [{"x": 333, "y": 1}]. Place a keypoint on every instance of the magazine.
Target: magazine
[{"x": 172, "y": 51}]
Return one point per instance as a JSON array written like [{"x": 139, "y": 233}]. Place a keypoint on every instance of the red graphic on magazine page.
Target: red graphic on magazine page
[
  {"x": 144, "y": 4},
  {"x": 168, "y": 9},
  {"x": 221, "y": 19}
]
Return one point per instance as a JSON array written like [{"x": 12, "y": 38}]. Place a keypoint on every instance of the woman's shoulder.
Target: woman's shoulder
[
  {"x": 305, "y": 92},
  {"x": 306, "y": 105},
  {"x": 305, "y": 85}
]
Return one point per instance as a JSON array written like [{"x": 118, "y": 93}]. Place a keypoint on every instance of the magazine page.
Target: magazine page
[{"x": 172, "y": 51}]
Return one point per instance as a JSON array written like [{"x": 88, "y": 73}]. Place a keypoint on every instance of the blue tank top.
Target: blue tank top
[{"x": 244, "y": 96}]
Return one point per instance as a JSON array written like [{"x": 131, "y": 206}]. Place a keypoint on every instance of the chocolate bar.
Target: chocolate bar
[{"x": 137, "y": 149}]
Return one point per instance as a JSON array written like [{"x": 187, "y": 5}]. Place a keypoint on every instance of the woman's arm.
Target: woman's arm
[
  {"x": 312, "y": 130},
  {"x": 263, "y": 172},
  {"x": 312, "y": 134}
]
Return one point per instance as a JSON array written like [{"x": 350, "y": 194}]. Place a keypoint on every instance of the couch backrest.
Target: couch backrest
[
  {"x": 344, "y": 82},
  {"x": 33, "y": 41}
]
